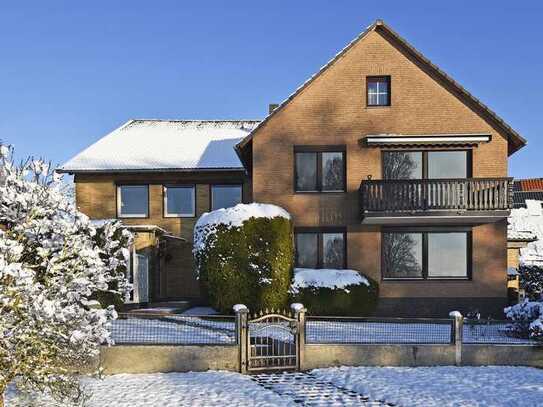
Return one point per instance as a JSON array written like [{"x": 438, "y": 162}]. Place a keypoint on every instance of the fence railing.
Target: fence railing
[
  {"x": 477, "y": 194},
  {"x": 170, "y": 329},
  {"x": 490, "y": 331},
  {"x": 347, "y": 330}
]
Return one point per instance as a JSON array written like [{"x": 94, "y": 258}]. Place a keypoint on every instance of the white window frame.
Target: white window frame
[
  {"x": 380, "y": 93},
  {"x": 179, "y": 215},
  {"x": 119, "y": 202}
]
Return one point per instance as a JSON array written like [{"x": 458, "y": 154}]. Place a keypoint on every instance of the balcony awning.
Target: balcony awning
[{"x": 403, "y": 140}]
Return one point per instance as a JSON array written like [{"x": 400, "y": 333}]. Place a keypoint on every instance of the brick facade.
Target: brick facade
[{"x": 332, "y": 111}]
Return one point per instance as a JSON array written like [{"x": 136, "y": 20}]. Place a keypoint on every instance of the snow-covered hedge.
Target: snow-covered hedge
[
  {"x": 334, "y": 292},
  {"x": 245, "y": 254},
  {"x": 526, "y": 319},
  {"x": 52, "y": 262},
  {"x": 531, "y": 280}
]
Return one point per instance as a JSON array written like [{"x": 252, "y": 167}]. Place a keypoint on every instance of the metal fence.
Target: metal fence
[
  {"x": 491, "y": 332},
  {"x": 346, "y": 330},
  {"x": 168, "y": 329}
]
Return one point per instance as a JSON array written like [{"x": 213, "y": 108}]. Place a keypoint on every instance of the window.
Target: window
[
  {"x": 133, "y": 201},
  {"x": 319, "y": 171},
  {"x": 378, "y": 90},
  {"x": 413, "y": 254},
  {"x": 426, "y": 164},
  {"x": 320, "y": 248},
  {"x": 225, "y": 196},
  {"x": 179, "y": 201}
]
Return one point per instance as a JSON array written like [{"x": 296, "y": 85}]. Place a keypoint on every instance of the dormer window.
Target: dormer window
[{"x": 378, "y": 90}]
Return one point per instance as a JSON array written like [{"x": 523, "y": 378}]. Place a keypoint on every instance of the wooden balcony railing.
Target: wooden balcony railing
[{"x": 464, "y": 194}]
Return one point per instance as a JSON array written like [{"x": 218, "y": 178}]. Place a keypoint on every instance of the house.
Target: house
[
  {"x": 386, "y": 164},
  {"x": 523, "y": 189}
]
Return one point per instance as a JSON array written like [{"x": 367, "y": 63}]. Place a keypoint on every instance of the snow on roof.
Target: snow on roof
[
  {"x": 530, "y": 220},
  {"x": 165, "y": 144},
  {"x": 329, "y": 278}
]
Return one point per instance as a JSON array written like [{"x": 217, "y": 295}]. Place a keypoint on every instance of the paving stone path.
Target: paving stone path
[{"x": 308, "y": 390}]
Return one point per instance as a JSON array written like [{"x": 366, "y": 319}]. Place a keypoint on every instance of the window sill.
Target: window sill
[
  {"x": 426, "y": 279},
  {"x": 377, "y": 106},
  {"x": 320, "y": 192},
  {"x": 178, "y": 216}
]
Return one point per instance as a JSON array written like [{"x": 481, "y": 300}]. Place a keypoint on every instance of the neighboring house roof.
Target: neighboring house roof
[
  {"x": 515, "y": 140},
  {"x": 520, "y": 235},
  {"x": 147, "y": 145},
  {"x": 523, "y": 189}
]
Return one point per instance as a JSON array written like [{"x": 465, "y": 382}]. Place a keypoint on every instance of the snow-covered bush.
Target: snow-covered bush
[
  {"x": 526, "y": 319},
  {"x": 245, "y": 254},
  {"x": 531, "y": 280},
  {"x": 334, "y": 292},
  {"x": 52, "y": 263}
]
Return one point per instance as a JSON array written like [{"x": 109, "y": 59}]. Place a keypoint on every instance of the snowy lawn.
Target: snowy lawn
[
  {"x": 442, "y": 386},
  {"x": 173, "y": 389},
  {"x": 422, "y": 386}
]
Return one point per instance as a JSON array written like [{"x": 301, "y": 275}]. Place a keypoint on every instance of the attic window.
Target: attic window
[{"x": 378, "y": 90}]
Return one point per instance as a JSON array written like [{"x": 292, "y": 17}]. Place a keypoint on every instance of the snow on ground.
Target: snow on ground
[
  {"x": 329, "y": 278},
  {"x": 175, "y": 389},
  {"x": 498, "y": 386},
  {"x": 200, "y": 311},
  {"x": 442, "y": 386}
]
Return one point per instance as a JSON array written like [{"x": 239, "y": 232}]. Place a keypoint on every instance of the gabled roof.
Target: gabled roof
[
  {"x": 529, "y": 184},
  {"x": 514, "y": 139},
  {"x": 173, "y": 145},
  {"x": 527, "y": 189}
]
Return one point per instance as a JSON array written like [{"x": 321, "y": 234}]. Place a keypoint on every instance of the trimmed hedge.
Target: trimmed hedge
[
  {"x": 249, "y": 264},
  {"x": 353, "y": 300}
]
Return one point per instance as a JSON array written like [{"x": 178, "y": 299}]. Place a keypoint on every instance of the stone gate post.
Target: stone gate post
[
  {"x": 299, "y": 313},
  {"x": 457, "y": 335},
  {"x": 242, "y": 313}
]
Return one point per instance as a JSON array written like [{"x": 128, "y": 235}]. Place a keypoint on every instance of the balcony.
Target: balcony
[{"x": 444, "y": 201}]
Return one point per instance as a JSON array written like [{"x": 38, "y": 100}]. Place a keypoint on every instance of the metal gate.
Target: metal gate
[{"x": 273, "y": 342}]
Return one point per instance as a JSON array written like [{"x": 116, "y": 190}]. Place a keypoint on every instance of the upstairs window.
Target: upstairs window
[
  {"x": 378, "y": 90},
  {"x": 320, "y": 248},
  {"x": 179, "y": 201},
  {"x": 225, "y": 196},
  {"x": 133, "y": 201},
  {"x": 319, "y": 171},
  {"x": 426, "y": 164}
]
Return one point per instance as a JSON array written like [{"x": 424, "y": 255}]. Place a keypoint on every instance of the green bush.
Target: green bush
[
  {"x": 352, "y": 300},
  {"x": 249, "y": 264}
]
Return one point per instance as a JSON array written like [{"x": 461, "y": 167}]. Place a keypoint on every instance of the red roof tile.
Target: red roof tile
[{"x": 534, "y": 184}]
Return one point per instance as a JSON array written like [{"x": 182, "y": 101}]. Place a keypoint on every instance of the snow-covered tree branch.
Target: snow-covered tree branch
[{"x": 53, "y": 263}]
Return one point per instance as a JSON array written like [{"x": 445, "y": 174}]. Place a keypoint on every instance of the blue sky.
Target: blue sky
[{"x": 72, "y": 71}]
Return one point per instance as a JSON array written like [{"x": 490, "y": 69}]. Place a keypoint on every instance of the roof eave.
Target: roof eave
[{"x": 145, "y": 170}]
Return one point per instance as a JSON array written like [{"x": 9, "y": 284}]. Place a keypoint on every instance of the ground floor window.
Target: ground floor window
[
  {"x": 320, "y": 248},
  {"x": 426, "y": 254}
]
